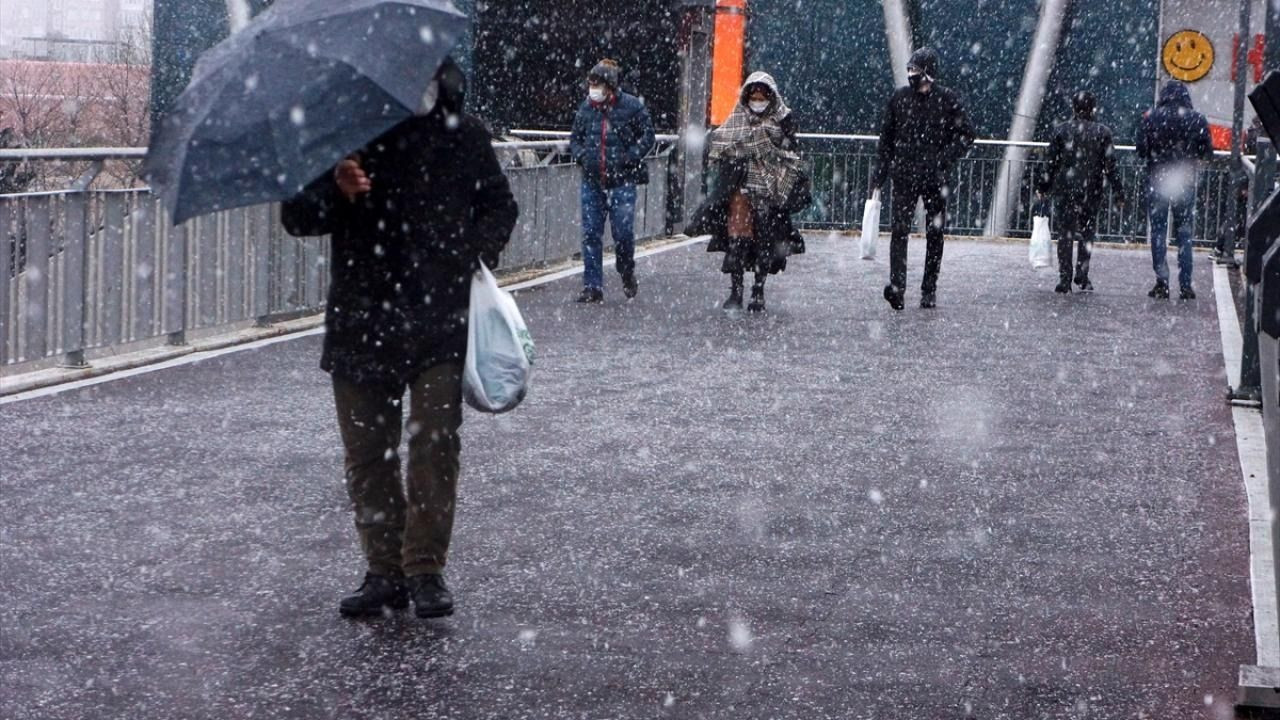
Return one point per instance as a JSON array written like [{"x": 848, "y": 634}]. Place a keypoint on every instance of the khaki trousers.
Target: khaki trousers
[{"x": 404, "y": 527}]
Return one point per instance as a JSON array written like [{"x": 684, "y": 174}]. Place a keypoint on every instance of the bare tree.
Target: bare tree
[
  {"x": 128, "y": 86},
  {"x": 126, "y": 98},
  {"x": 31, "y": 94}
]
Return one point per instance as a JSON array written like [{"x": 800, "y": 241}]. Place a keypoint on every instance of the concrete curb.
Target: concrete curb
[
  {"x": 1256, "y": 684},
  {"x": 109, "y": 365}
]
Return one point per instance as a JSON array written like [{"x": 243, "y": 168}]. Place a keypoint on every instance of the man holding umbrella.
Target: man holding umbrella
[
  {"x": 411, "y": 215},
  {"x": 925, "y": 132},
  {"x": 377, "y": 153}
]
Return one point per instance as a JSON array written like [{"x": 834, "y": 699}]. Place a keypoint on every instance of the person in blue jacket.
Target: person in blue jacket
[
  {"x": 1173, "y": 138},
  {"x": 612, "y": 134}
]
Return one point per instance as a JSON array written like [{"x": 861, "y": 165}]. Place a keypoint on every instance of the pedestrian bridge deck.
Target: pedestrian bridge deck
[{"x": 1019, "y": 505}]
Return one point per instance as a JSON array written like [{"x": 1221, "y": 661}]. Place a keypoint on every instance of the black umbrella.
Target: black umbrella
[{"x": 305, "y": 83}]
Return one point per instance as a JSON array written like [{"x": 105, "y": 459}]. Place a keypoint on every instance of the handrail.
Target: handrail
[
  {"x": 74, "y": 154},
  {"x": 138, "y": 153},
  {"x": 528, "y": 144},
  {"x": 660, "y": 137},
  {"x": 852, "y": 136}
]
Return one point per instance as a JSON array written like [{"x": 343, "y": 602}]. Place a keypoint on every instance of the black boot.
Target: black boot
[
  {"x": 894, "y": 296},
  {"x": 1063, "y": 287},
  {"x": 590, "y": 295},
  {"x": 431, "y": 597},
  {"x": 1160, "y": 291},
  {"x": 929, "y": 300},
  {"x": 376, "y": 594},
  {"x": 735, "y": 293},
  {"x": 1186, "y": 293},
  {"x": 629, "y": 285},
  {"x": 757, "y": 295}
]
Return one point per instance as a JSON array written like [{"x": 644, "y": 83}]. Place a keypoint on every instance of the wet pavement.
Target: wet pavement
[{"x": 1019, "y": 505}]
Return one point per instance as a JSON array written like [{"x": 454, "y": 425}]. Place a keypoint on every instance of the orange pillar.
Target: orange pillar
[{"x": 728, "y": 51}]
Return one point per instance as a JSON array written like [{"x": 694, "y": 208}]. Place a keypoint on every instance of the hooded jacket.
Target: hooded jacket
[
  {"x": 923, "y": 133},
  {"x": 729, "y": 173},
  {"x": 611, "y": 139},
  {"x": 404, "y": 252},
  {"x": 1080, "y": 162},
  {"x": 1173, "y": 133}
]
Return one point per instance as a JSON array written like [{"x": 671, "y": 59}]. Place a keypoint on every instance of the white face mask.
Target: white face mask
[
  {"x": 429, "y": 97},
  {"x": 596, "y": 94},
  {"x": 758, "y": 106}
]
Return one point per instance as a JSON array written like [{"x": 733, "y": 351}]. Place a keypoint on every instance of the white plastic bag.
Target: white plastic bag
[
  {"x": 1041, "y": 249},
  {"x": 499, "y": 360},
  {"x": 870, "y": 227}
]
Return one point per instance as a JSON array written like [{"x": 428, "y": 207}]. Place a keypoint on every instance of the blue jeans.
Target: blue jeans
[
  {"x": 620, "y": 204},
  {"x": 1183, "y": 215}
]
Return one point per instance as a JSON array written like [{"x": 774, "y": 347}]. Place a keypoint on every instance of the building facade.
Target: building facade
[{"x": 70, "y": 30}]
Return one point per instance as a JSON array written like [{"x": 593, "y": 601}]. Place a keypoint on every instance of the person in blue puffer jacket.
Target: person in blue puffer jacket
[{"x": 612, "y": 134}]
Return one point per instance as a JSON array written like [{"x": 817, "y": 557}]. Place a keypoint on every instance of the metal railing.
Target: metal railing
[
  {"x": 93, "y": 270},
  {"x": 83, "y": 270},
  {"x": 841, "y": 168},
  {"x": 89, "y": 269}
]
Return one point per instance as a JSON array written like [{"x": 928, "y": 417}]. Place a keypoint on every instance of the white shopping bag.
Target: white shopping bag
[
  {"x": 1041, "y": 250},
  {"x": 870, "y": 227},
  {"x": 499, "y": 360}
]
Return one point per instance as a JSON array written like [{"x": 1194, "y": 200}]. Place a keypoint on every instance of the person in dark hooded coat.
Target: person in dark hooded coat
[
  {"x": 411, "y": 216},
  {"x": 1081, "y": 163},
  {"x": 925, "y": 131},
  {"x": 1173, "y": 138},
  {"x": 757, "y": 183}
]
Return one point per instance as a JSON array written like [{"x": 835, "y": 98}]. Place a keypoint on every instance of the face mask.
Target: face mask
[
  {"x": 916, "y": 80},
  {"x": 596, "y": 94},
  {"x": 429, "y": 97},
  {"x": 758, "y": 106}
]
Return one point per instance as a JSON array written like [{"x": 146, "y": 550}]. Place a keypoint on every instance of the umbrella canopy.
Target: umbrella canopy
[{"x": 304, "y": 84}]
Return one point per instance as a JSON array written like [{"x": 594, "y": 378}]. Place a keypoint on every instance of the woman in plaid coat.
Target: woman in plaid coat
[{"x": 757, "y": 184}]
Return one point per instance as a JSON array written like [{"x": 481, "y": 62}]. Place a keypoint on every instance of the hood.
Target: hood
[
  {"x": 453, "y": 86},
  {"x": 1084, "y": 104},
  {"x": 926, "y": 60},
  {"x": 779, "y": 109},
  {"x": 1175, "y": 94}
]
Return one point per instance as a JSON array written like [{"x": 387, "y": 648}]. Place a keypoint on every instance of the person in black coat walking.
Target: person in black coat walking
[
  {"x": 1173, "y": 138},
  {"x": 411, "y": 216},
  {"x": 612, "y": 134},
  {"x": 925, "y": 131},
  {"x": 1081, "y": 164},
  {"x": 757, "y": 183}
]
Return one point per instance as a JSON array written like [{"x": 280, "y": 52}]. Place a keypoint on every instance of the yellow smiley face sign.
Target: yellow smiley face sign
[{"x": 1188, "y": 55}]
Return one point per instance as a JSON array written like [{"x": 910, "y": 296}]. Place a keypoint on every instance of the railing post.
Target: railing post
[
  {"x": 260, "y": 231},
  {"x": 1264, "y": 178},
  {"x": 76, "y": 267},
  {"x": 175, "y": 284},
  {"x": 75, "y": 286},
  {"x": 1249, "y": 392},
  {"x": 8, "y": 275}
]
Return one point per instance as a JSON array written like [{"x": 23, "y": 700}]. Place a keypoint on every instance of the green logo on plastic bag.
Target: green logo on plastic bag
[{"x": 526, "y": 343}]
